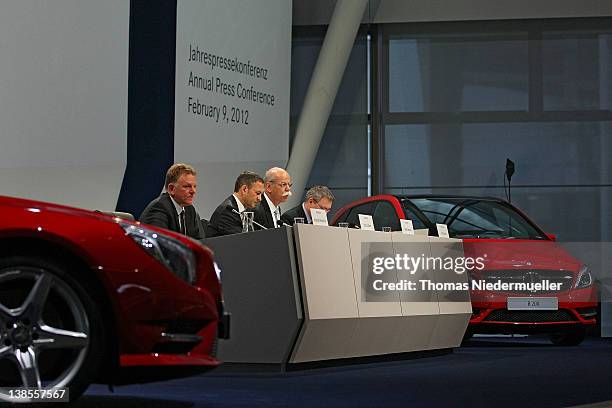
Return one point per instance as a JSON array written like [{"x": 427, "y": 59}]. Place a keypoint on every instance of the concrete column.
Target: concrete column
[{"x": 322, "y": 91}]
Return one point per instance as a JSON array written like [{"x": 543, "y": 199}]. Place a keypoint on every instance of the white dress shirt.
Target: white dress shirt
[
  {"x": 308, "y": 218},
  {"x": 274, "y": 210},
  {"x": 179, "y": 209},
  {"x": 241, "y": 206}
]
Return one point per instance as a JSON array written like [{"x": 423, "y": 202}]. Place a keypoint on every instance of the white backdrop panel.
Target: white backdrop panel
[{"x": 232, "y": 90}]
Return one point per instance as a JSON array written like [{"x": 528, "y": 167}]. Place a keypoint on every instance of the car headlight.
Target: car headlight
[
  {"x": 170, "y": 252},
  {"x": 584, "y": 278}
]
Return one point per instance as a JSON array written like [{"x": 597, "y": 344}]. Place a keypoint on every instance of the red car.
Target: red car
[
  {"x": 515, "y": 250},
  {"x": 85, "y": 295}
]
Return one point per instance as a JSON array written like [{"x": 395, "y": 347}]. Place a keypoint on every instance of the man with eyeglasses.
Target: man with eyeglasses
[
  {"x": 319, "y": 197},
  {"x": 277, "y": 190}
]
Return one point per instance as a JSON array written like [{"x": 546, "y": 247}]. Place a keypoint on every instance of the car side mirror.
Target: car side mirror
[{"x": 552, "y": 237}]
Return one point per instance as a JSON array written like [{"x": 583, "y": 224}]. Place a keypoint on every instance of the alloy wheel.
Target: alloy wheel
[{"x": 44, "y": 329}]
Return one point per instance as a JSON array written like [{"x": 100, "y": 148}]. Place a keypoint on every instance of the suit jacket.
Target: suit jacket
[
  {"x": 224, "y": 221},
  {"x": 162, "y": 213},
  {"x": 263, "y": 214},
  {"x": 295, "y": 212}
]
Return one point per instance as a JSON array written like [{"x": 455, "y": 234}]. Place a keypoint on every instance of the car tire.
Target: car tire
[
  {"x": 51, "y": 331},
  {"x": 569, "y": 338}
]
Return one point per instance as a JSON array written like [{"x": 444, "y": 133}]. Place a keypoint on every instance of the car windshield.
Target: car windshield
[{"x": 476, "y": 218}]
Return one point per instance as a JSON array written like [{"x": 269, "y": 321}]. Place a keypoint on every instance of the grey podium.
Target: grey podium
[{"x": 296, "y": 295}]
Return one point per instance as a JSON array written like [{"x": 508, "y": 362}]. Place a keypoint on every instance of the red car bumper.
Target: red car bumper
[{"x": 577, "y": 308}]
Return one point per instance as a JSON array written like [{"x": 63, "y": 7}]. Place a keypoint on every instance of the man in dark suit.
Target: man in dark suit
[
  {"x": 248, "y": 190},
  {"x": 277, "y": 190},
  {"x": 317, "y": 197},
  {"x": 174, "y": 209}
]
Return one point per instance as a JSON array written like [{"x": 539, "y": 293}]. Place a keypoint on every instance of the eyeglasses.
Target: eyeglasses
[
  {"x": 327, "y": 209},
  {"x": 283, "y": 184}
]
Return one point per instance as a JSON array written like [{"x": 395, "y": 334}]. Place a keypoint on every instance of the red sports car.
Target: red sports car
[
  {"x": 84, "y": 295},
  {"x": 515, "y": 250}
]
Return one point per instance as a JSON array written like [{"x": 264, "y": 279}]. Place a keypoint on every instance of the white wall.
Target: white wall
[{"x": 63, "y": 100}]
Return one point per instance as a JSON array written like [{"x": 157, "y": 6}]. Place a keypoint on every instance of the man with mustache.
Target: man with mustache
[
  {"x": 277, "y": 190},
  {"x": 174, "y": 209}
]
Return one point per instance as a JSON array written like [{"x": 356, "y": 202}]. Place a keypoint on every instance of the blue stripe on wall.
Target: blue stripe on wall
[{"x": 151, "y": 76}]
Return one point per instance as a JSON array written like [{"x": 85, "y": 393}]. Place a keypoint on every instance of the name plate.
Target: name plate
[
  {"x": 319, "y": 216},
  {"x": 442, "y": 230},
  {"x": 407, "y": 227},
  {"x": 366, "y": 222}
]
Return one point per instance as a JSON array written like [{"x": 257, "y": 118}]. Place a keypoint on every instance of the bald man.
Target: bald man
[{"x": 277, "y": 189}]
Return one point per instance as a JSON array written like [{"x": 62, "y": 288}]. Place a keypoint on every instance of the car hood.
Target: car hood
[
  {"x": 41, "y": 206},
  {"x": 521, "y": 254}
]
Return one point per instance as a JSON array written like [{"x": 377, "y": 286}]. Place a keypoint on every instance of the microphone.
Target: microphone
[
  {"x": 254, "y": 222},
  {"x": 509, "y": 169},
  {"x": 509, "y": 173}
]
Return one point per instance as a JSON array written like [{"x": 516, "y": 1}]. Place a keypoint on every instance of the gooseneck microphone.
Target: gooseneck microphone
[{"x": 254, "y": 222}]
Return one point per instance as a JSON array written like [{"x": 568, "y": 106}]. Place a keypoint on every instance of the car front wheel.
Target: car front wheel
[{"x": 50, "y": 329}]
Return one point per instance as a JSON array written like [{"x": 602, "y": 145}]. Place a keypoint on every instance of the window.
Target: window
[
  {"x": 385, "y": 216},
  {"x": 474, "y": 218},
  {"x": 353, "y": 216},
  {"x": 458, "y": 98},
  {"x": 458, "y": 72}
]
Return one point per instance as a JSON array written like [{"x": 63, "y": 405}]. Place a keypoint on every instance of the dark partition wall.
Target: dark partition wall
[{"x": 150, "y": 142}]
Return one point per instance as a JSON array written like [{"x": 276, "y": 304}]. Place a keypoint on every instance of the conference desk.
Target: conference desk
[{"x": 300, "y": 294}]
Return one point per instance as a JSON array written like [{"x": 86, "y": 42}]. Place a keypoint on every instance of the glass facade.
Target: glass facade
[
  {"x": 458, "y": 72},
  {"x": 460, "y": 98}
]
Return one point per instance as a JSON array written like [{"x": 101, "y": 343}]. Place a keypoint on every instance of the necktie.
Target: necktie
[
  {"x": 183, "y": 227},
  {"x": 277, "y": 216}
]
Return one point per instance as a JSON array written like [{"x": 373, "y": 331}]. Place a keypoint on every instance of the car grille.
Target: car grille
[
  {"x": 530, "y": 316},
  {"x": 565, "y": 278},
  {"x": 185, "y": 326}
]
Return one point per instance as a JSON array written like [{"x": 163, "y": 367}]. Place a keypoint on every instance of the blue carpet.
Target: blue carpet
[{"x": 486, "y": 372}]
